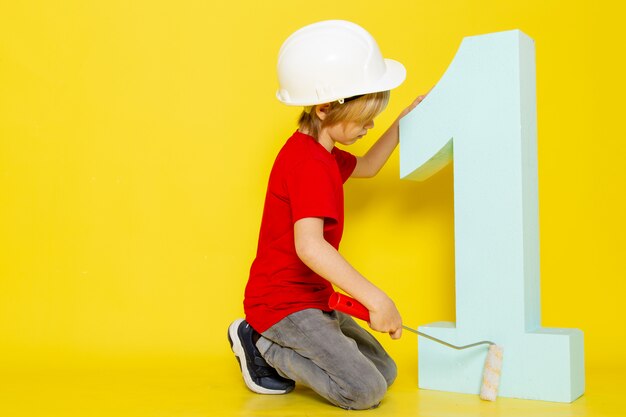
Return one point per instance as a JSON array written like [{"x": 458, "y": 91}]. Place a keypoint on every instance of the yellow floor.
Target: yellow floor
[{"x": 212, "y": 387}]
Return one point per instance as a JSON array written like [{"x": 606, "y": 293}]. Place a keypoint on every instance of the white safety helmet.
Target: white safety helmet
[{"x": 333, "y": 60}]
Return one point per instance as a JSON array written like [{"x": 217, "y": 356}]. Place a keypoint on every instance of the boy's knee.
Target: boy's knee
[
  {"x": 364, "y": 393},
  {"x": 390, "y": 372}
]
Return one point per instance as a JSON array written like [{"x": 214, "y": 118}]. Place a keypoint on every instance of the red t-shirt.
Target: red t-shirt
[{"x": 306, "y": 181}]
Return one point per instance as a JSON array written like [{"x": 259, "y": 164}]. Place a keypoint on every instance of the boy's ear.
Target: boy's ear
[{"x": 321, "y": 110}]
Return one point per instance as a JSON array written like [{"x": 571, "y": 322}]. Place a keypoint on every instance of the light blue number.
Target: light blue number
[{"x": 482, "y": 115}]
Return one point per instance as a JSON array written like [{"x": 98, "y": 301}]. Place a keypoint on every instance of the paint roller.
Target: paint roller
[{"x": 493, "y": 362}]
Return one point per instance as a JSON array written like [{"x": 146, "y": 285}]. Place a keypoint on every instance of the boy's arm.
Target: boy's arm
[
  {"x": 324, "y": 260},
  {"x": 369, "y": 164}
]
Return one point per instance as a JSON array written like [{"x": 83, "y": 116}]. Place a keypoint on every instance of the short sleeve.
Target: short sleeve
[
  {"x": 346, "y": 163},
  {"x": 312, "y": 191}
]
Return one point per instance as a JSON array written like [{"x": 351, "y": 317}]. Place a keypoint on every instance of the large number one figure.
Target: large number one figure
[{"x": 482, "y": 116}]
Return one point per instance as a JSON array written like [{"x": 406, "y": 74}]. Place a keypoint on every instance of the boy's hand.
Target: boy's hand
[
  {"x": 385, "y": 318},
  {"x": 413, "y": 105}
]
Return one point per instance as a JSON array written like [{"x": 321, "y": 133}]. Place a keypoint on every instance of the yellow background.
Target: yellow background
[{"x": 136, "y": 139}]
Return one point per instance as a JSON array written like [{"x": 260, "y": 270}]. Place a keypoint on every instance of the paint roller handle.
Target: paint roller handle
[
  {"x": 348, "y": 305},
  {"x": 345, "y": 304}
]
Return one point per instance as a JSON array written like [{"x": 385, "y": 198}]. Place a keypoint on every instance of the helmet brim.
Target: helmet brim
[{"x": 393, "y": 77}]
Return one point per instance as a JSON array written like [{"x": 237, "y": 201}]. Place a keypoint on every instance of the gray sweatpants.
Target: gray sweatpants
[{"x": 331, "y": 354}]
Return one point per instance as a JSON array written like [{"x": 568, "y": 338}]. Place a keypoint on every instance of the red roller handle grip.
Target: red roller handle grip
[{"x": 345, "y": 304}]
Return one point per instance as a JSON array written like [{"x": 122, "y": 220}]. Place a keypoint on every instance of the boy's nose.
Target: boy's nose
[{"x": 369, "y": 125}]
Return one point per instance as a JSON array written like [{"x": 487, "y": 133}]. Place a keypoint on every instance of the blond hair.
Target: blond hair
[{"x": 361, "y": 109}]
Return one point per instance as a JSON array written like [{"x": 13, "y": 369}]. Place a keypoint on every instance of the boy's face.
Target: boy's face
[{"x": 347, "y": 133}]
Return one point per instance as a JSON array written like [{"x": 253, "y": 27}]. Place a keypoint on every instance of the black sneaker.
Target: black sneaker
[{"x": 258, "y": 375}]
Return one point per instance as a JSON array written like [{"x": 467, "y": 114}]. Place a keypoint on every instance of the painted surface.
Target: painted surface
[{"x": 482, "y": 115}]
